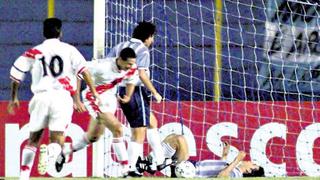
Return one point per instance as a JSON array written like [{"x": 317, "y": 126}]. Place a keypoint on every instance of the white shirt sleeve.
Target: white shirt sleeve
[
  {"x": 143, "y": 61},
  {"x": 79, "y": 64},
  {"x": 20, "y": 67}
]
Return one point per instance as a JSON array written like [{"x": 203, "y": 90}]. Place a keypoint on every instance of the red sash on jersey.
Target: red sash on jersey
[
  {"x": 66, "y": 85},
  {"x": 31, "y": 53},
  {"x": 104, "y": 87}
]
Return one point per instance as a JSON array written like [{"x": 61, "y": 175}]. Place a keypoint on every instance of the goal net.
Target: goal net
[{"x": 241, "y": 71}]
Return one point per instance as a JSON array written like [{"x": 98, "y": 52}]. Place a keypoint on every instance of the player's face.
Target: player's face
[
  {"x": 126, "y": 65},
  {"x": 249, "y": 166},
  {"x": 149, "y": 41}
]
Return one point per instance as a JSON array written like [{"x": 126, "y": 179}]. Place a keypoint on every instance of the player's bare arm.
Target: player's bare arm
[
  {"x": 146, "y": 81},
  {"x": 226, "y": 172},
  {"x": 129, "y": 91},
  {"x": 87, "y": 78},
  {"x": 225, "y": 151},
  {"x": 14, "y": 101},
  {"x": 77, "y": 104}
]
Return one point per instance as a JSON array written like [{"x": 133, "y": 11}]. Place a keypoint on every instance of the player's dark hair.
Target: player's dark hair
[
  {"x": 255, "y": 173},
  {"x": 52, "y": 28},
  {"x": 144, "y": 30},
  {"x": 127, "y": 53}
]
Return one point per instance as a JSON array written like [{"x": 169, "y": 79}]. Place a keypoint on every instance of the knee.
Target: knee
[
  {"x": 138, "y": 136},
  {"x": 117, "y": 130},
  {"x": 181, "y": 139}
]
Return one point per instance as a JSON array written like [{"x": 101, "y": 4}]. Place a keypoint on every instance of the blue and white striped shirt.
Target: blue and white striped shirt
[
  {"x": 142, "y": 52},
  {"x": 212, "y": 168}
]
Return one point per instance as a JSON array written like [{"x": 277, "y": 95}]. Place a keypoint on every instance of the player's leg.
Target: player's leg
[
  {"x": 38, "y": 109},
  {"x": 182, "y": 149},
  {"x": 29, "y": 153},
  {"x": 154, "y": 141},
  {"x": 138, "y": 119},
  {"x": 95, "y": 130},
  {"x": 135, "y": 146},
  {"x": 54, "y": 149},
  {"x": 61, "y": 109},
  {"x": 151, "y": 122},
  {"x": 153, "y": 137},
  {"x": 118, "y": 145}
]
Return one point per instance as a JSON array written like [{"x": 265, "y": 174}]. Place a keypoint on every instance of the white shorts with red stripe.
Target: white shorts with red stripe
[
  {"x": 52, "y": 109},
  {"x": 108, "y": 103}
]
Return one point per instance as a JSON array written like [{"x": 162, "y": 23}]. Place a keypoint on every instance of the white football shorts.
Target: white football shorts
[
  {"x": 108, "y": 103},
  {"x": 52, "y": 109}
]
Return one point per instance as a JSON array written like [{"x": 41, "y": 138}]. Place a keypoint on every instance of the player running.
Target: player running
[
  {"x": 107, "y": 75},
  {"x": 53, "y": 66}
]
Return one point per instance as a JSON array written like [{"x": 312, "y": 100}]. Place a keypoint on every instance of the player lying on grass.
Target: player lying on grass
[
  {"x": 107, "y": 76},
  {"x": 206, "y": 168}
]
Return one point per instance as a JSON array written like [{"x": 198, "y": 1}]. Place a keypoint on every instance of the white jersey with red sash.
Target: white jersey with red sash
[
  {"x": 107, "y": 78},
  {"x": 53, "y": 66}
]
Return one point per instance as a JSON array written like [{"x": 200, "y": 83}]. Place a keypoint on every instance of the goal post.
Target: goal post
[
  {"x": 241, "y": 71},
  {"x": 99, "y": 27}
]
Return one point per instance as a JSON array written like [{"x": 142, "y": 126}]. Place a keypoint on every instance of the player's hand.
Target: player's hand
[
  {"x": 226, "y": 148},
  {"x": 79, "y": 106},
  {"x": 97, "y": 98},
  {"x": 158, "y": 97},
  {"x": 241, "y": 155},
  {"x": 125, "y": 99},
  {"x": 12, "y": 105}
]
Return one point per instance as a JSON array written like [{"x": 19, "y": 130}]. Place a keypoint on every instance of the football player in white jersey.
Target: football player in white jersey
[
  {"x": 54, "y": 66},
  {"x": 176, "y": 149},
  {"x": 137, "y": 111},
  {"x": 107, "y": 75}
]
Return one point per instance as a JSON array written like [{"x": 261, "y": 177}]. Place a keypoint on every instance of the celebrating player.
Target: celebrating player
[
  {"x": 203, "y": 169},
  {"x": 107, "y": 75},
  {"x": 137, "y": 110},
  {"x": 53, "y": 66}
]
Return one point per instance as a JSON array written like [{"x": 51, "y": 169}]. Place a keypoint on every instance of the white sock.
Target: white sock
[
  {"x": 67, "y": 148},
  {"x": 78, "y": 146},
  {"x": 120, "y": 150},
  {"x": 134, "y": 151},
  {"x": 155, "y": 143},
  {"x": 54, "y": 149},
  {"x": 28, "y": 155}
]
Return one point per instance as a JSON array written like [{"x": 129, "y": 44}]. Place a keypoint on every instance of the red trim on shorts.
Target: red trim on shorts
[{"x": 31, "y": 53}]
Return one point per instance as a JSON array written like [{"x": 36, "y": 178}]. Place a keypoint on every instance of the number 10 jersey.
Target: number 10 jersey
[{"x": 53, "y": 66}]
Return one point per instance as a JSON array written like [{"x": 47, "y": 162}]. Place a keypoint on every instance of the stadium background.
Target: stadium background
[{"x": 21, "y": 28}]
